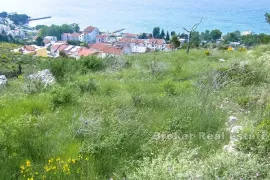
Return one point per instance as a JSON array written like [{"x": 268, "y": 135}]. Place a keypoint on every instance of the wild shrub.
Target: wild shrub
[
  {"x": 170, "y": 88},
  {"x": 33, "y": 86},
  {"x": 256, "y": 140},
  {"x": 59, "y": 69},
  {"x": 185, "y": 166},
  {"x": 88, "y": 86},
  {"x": 91, "y": 63},
  {"x": 61, "y": 96}
]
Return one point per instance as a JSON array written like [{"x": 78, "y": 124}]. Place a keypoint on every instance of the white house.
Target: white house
[
  {"x": 156, "y": 44},
  {"x": 4, "y": 28},
  {"x": 90, "y": 34},
  {"x": 17, "y": 33},
  {"x": 81, "y": 37},
  {"x": 51, "y": 38}
]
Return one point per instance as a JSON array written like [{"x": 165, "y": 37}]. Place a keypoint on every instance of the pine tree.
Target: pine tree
[
  {"x": 156, "y": 32},
  {"x": 162, "y": 34},
  {"x": 167, "y": 36}
]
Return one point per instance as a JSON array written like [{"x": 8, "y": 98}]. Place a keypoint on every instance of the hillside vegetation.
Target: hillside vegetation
[{"x": 115, "y": 117}]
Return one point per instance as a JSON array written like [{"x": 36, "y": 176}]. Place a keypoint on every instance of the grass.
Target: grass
[{"x": 100, "y": 118}]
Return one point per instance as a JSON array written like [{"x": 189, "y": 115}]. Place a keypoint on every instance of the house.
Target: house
[
  {"x": 234, "y": 44},
  {"x": 90, "y": 34},
  {"x": 168, "y": 47},
  {"x": 87, "y": 52},
  {"x": 106, "y": 49},
  {"x": 33, "y": 50},
  {"x": 71, "y": 37},
  {"x": 51, "y": 38},
  {"x": 102, "y": 38},
  {"x": 156, "y": 44},
  {"x": 17, "y": 33},
  {"x": 57, "y": 47},
  {"x": 130, "y": 35},
  {"x": 42, "y": 52},
  {"x": 138, "y": 49},
  {"x": 81, "y": 37},
  {"x": 4, "y": 28}
]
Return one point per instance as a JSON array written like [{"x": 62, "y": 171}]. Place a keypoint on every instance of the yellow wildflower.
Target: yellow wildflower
[
  {"x": 30, "y": 178},
  {"x": 28, "y": 163},
  {"x": 58, "y": 159},
  {"x": 73, "y": 161},
  {"x": 50, "y": 160},
  {"x": 66, "y": 169},
  {"x": 47, "y": 168},
  {"x": 22, "y": 167}
]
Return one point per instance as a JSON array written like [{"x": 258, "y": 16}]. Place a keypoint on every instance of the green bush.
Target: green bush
[
  {"x": 256, "y": 140},
  {"x": 170, "y": 88},
  {"x": 88, "y": 86},
  {"x": 92, "y": 63},
  {"x": 61, "y": 96}
]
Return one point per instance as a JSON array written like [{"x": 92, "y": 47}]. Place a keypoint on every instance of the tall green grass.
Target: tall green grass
[{"x": 106, "y": 113}]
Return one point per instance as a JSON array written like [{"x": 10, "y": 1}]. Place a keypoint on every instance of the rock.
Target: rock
[
  {"x": 44, "y": 76},
  {"x": 229, "y": 149},
  {"x": 232, "y": 120},
  {"x": 221, "y": 60},
  {"x": 236, "y": 129},
  {"x": 3, "y": 80}
]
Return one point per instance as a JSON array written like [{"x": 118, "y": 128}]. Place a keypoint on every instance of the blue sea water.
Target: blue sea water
[{"x": 142, "y": 15}]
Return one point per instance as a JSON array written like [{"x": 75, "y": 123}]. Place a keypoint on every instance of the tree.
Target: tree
[
  {"x": 4, "y": 14},
  {"x": 156, "y": 32},
  {"x": 55, "y": 30},
  {"x": 19, "y": 19},
  {"x": 175, "y": 42},
  {"x": 39, "y": 41},
  {"x": 215, "y": 34},
  {"x": 162, "y": 34},
  {"x": 77, "y": 28},
  {"x": 267, "y": 17},
  {"x": 194, "y": 27},
  {"x": 143, "y": 36},
  {"x": 205, "y": 36},
  {"x": 195, "y": 39},
  {"x": 39, "y": 27},
  {"x": 173, "y": 33},
  {"x": 233, "y": 36},
  {"x": 167, "y": 36}
]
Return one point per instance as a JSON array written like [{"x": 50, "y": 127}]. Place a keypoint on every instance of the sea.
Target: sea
[{"x": 136, "y": 16}]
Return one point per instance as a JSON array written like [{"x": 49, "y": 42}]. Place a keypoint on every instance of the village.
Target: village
[
  {"x": 92, "y": 41},
  {"x": 97, "y": 43},
  {"x": 101, "y": 45}
]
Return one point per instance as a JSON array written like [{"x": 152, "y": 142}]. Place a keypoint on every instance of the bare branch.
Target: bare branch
[
  {"x": 196, "y": 25},
  {"x": 186, "y": 30}
]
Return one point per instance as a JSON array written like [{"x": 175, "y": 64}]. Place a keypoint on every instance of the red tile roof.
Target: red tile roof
[
  {"x": 157, "y": 41},
  {"x": 75, "y": 35},
  {"x": 130, "y": 35},
  {"x": 112, "y": 50},
  {"x": 89, "y": 29},
  {"x": 102, "y": 36},
  {"x": 87, "y": 52},
  {"x": 100, "y": 46},
  {"x": 168, "y": 46},
  {"x": 107, "y": 48},
  {"x": 59, "y": 47},
  {"x": 29, "y": 48}
]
